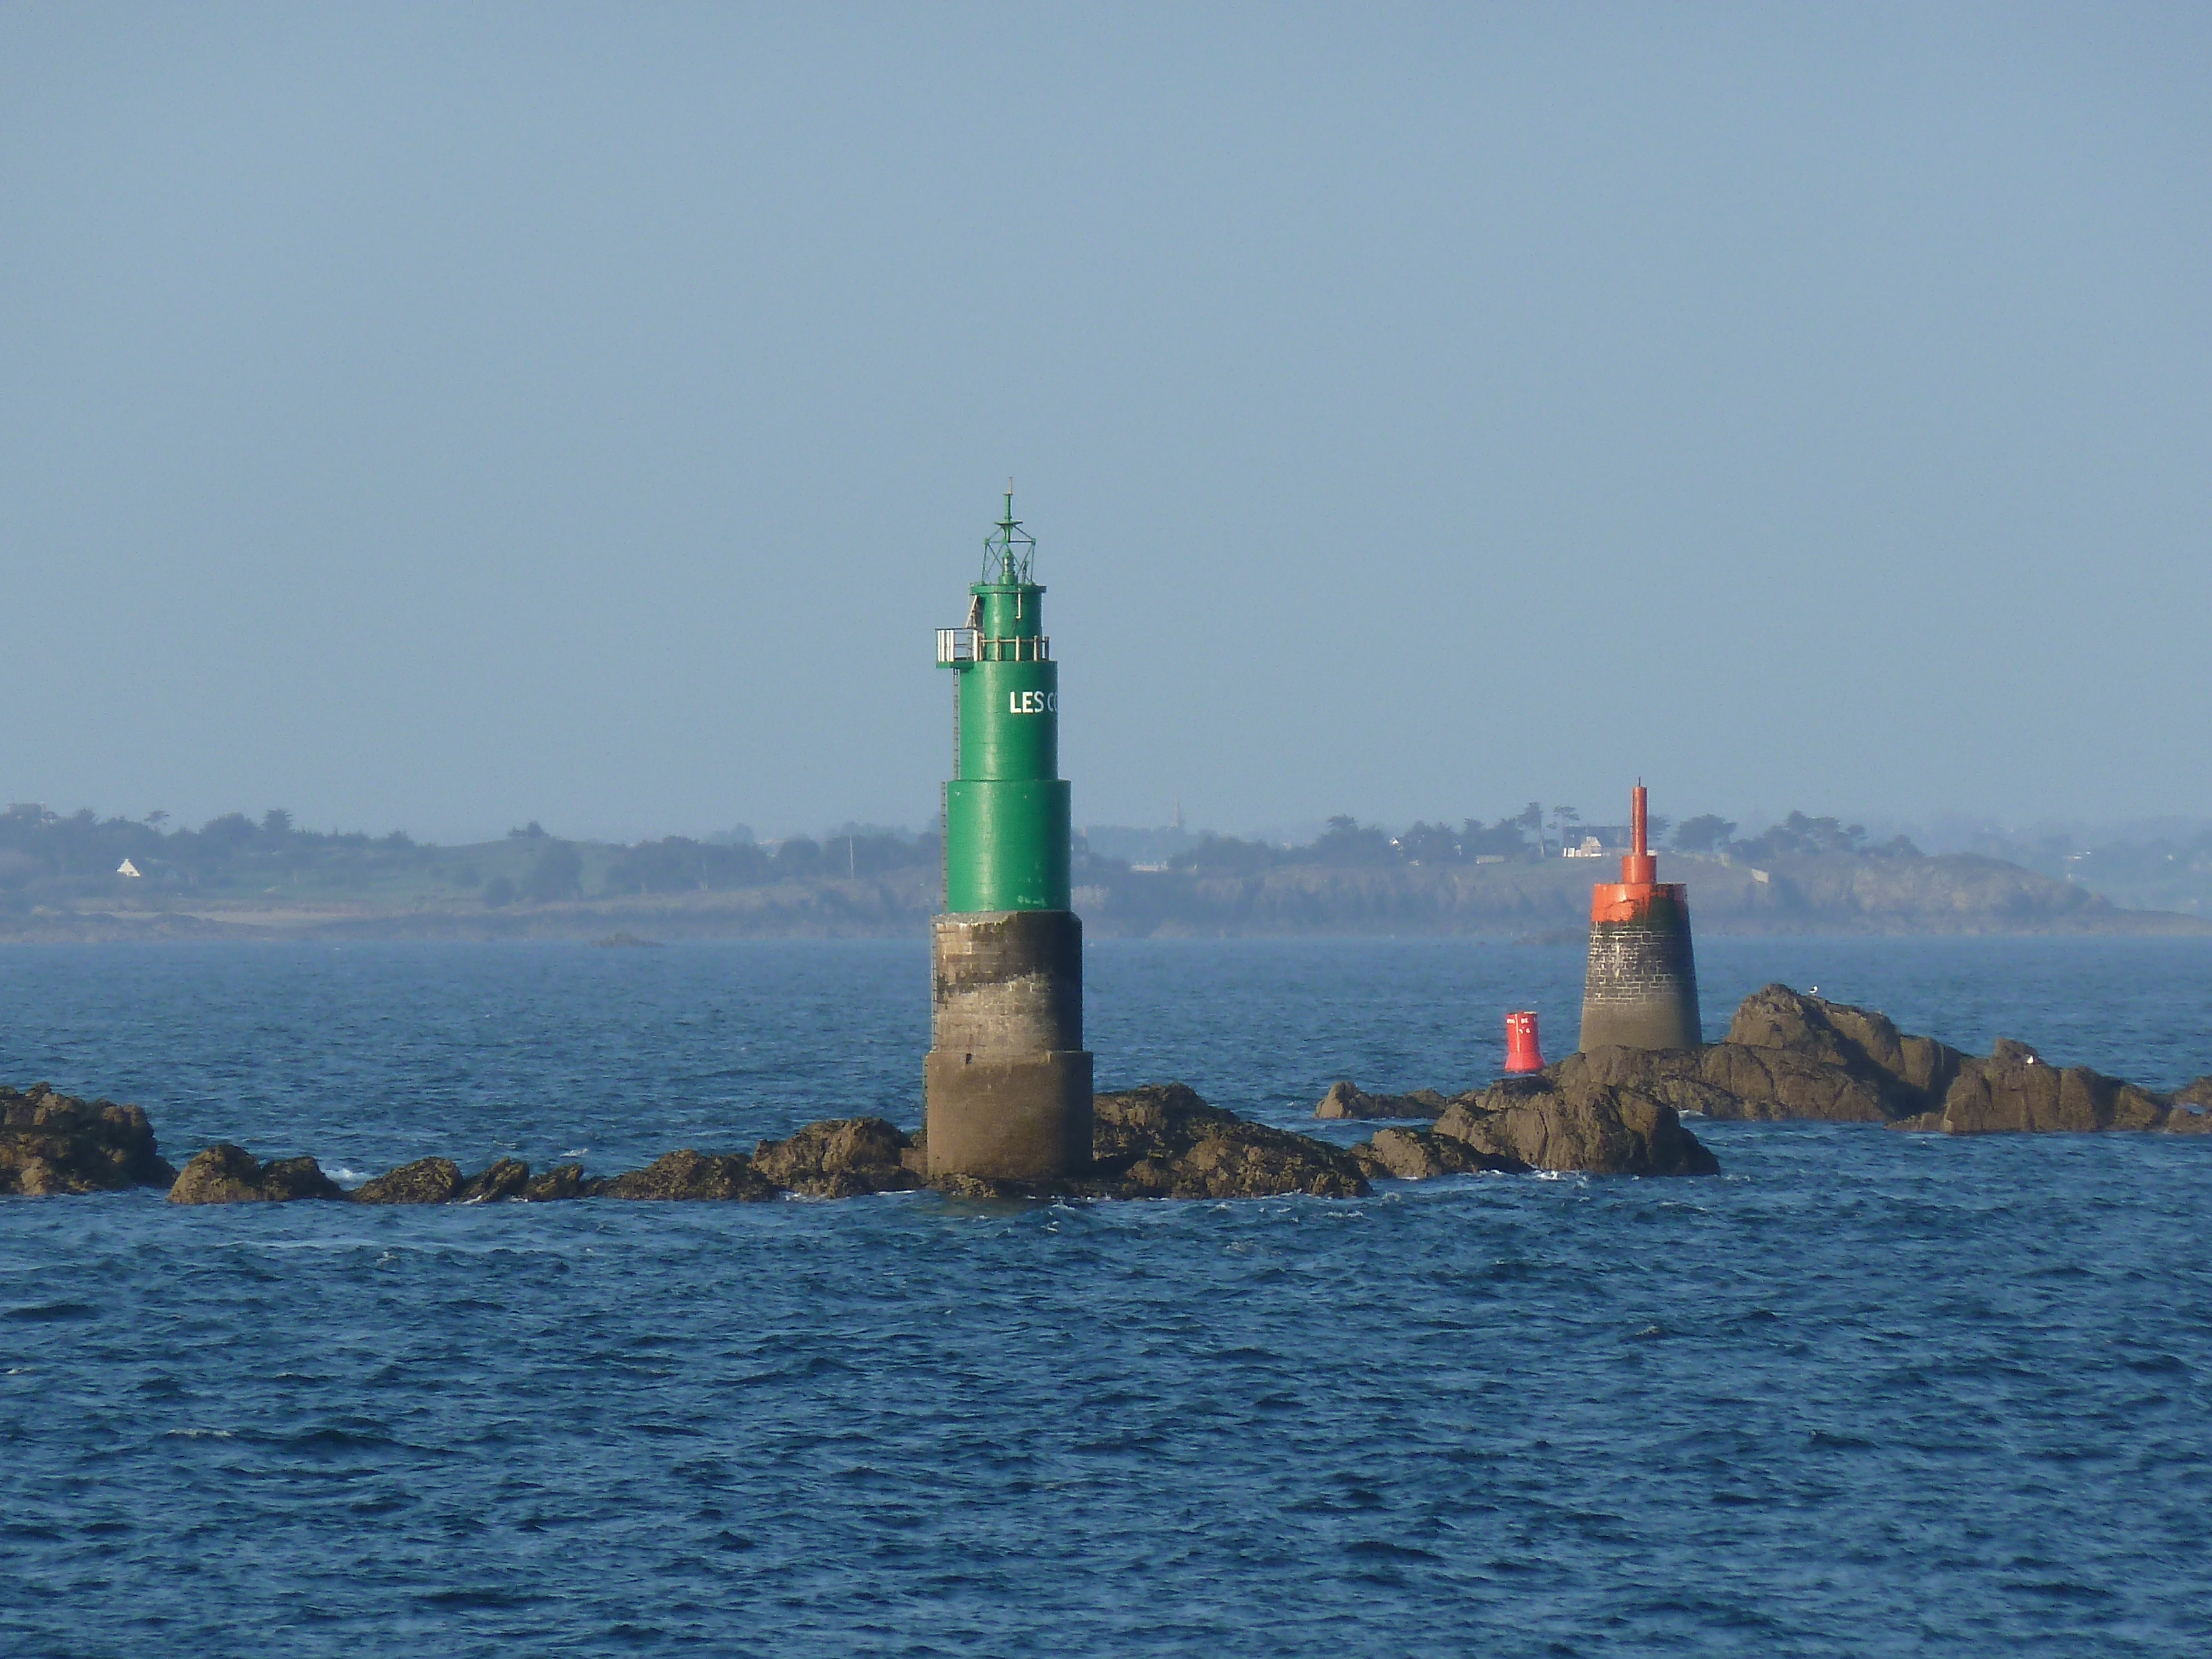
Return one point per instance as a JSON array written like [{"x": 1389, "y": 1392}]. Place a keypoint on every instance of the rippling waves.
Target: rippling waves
[{"x": 1864, "y": 1394}]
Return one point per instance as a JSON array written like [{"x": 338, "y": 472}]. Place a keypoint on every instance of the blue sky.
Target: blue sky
[{"x": 445, "y": 417}]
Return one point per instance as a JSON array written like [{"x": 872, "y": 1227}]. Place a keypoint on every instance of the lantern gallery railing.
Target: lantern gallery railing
[{"x": 958, "y": 645}]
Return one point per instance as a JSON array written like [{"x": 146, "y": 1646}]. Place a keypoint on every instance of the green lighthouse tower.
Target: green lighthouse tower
[
  {"x": 1007, "y": 807},
  {"x": 1007, "y": 1081}
]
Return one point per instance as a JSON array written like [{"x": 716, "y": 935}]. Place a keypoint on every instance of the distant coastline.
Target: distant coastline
[
  {"x": 80, "y": 879},
  {"x": 1529, "y": 903}
]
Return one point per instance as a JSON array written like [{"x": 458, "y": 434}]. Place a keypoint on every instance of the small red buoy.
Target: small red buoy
[{"x": 1522, "y": 1052}]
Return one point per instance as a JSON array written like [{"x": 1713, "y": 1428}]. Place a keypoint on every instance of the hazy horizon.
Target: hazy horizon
[
  {"x": 1934, "y": 835},
  {"x": 441, "y": 419}
]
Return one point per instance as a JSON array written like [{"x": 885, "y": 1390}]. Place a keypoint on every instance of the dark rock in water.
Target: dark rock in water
[
  {"x": 567, "y": 1181},
  {"x": 1422, "y": 1155},
  {"x": 1565, "y": 1119},
  {"x": 1162, "y": 1141},
  {"x": 1732, "y": 1081},
  {"x": 2190, "y": 1111},
  {"x": 225, "y": 1174},
  {"x": 1913, "y": 1073},
  {"x": 1347, "y": 1099},
  {"x": 426, "y": 1180},
  {"x": 1789, "y": 1055},
  {"x": 51, "y": 1143},
  {"x": 1745, "y": 1082},
  {"x": 1674, "y": 1077},
  {"x": 507, "y": 1178},
  {"x": 686, "y": 1175},
  {"x": 838, "y": 1157},
  {"x": 2014, "y": 1091}
]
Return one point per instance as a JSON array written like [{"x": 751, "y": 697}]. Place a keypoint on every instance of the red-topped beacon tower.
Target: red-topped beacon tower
[{"x": 1641, "y": 989}]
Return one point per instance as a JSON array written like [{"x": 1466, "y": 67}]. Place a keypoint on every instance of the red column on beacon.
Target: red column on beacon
[
  {"x": 1640, "y": 990},
  {"x": 1523, "y": 1053}
]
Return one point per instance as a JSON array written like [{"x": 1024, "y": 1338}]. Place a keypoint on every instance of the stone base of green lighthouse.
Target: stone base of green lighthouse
[{"x": 1007, "y": 1082}]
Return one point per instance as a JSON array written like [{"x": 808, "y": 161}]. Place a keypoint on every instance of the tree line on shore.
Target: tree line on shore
[
  {"x": 45, "y": 855},
  {"x": 1523, "y": 838}
]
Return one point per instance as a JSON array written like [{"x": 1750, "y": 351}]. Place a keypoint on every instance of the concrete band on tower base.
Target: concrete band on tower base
[
  {"x": 1008, "y": 1117},
  {"x": 1007, "y": 1083},
  {"x": 1641, "y": 989}
]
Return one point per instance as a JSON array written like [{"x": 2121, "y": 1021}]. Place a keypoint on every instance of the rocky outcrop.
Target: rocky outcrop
[
  {"x": 686, "y": 1175},
  {"x": 503, "y": 1179},
  {"x": 839, "y": 1158},
  {"x": 1790, "y": 1055},
  {"x": 1909, "y": 1073},
  {"x": 1728, "y": 1081},
  {"x": 565, "y": 1181},
  {"x": 1424, "y": 1154},
  {"x": 1566, "y": 1119},
  {"x": 1786, "y": 1055},
  {"x": 2190, "y": 1111},
  {"x": 2014, "y": 1091},
  {"x": 225, "y": 1174},
  {"x": 51, "y": 1143},
  {"x": 440, "y": 1181},
  {"x": 1162, "y": 1141},
  {"x": 426, "y": 1180},
  {"x": 1346, "y": 1099}
]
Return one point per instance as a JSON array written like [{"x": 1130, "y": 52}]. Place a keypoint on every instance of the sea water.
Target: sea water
[{"x": 1864, "y": 1393}]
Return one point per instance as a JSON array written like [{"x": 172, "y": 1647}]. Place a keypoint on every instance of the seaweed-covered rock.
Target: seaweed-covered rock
[
  {"x": 1422, "y": 1154},
  {"x": 225, "y": 1174},
  {"x": 2189, "y": 1112},
  {"x": 1162, "y": 1141},
  {"x": 1564, "y": 1119},
  {"x": 506, "y": 1178},
  {"x": 426, "y": 1180},
  {"x": 51, "y": 1143},
  {"x": 839, "y": 1158},
  {"x": 1346, "y": 1099},
  {"x": 566, "y": 1181},
  {"x": 687, "y": 1175}
]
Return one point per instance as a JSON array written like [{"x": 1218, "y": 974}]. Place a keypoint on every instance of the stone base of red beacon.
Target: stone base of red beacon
[{"x": 1640, "y": 988}]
